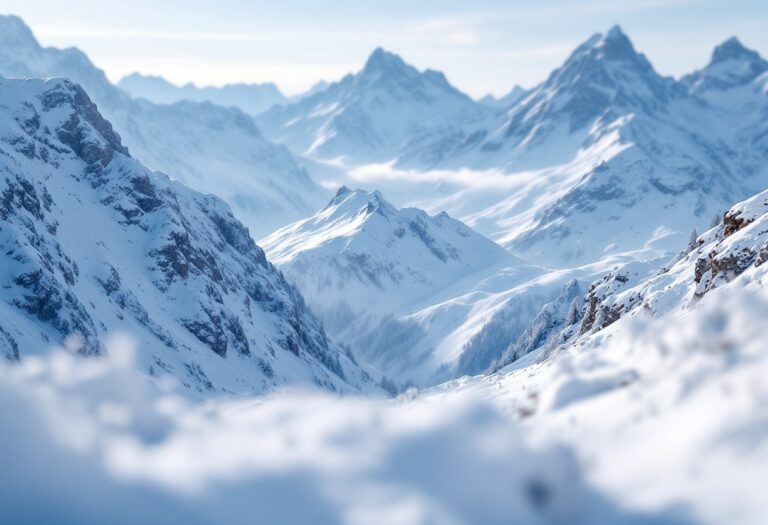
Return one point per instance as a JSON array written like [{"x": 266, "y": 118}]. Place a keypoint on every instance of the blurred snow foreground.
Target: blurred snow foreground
[{"x": 634, "y": 426}]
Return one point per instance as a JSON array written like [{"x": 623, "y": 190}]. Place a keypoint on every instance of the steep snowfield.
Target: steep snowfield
[
  {"x": 210, "y": 148},
  {"x": 93, "y": 243},
  {"x": 250, "y": 98},
  {"x": 373, "y": 115}
]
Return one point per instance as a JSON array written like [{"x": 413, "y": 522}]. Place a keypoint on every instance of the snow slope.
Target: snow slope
[
  {"x": 250, "y": 98},
  {"x": 94, "y": 243},
  {"x": 210, "y": 148},
  {"x": 373, "y": 115}
]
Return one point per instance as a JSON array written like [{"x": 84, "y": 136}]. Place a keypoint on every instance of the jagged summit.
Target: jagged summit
[
  {"x": 732, "y": 65},
  {"x": 383, "y": 60},
  {"x": 733, "y": 49},
  {"x": 613, "y": 46},
  {"x": 604, "y": 74},
  {"x": 372, "y": 115},
  {"x": 349, "y": 203}
]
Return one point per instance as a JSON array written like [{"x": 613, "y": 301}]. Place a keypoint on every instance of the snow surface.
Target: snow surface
[{"x": 652, "y": 422}]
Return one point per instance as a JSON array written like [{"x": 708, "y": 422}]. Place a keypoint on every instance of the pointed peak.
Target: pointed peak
[
  {"x": 354, "y": 201},
  {"x": 381, "y": 60},
  {"x": 343, "y": 190},
  {"x": 613, "y": 46},
  {"x": 733, "y": 49},
  {"x": 616, "y": 33}
]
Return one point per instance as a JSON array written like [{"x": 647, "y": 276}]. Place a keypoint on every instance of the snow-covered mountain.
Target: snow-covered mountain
[
  {"x": 250, "y": 98},
  {"x": 373, "y": 115},
  {"x": 362, "y": 264},
  {"x": 211, "y": 148},
  {"x": 607, "y": 156},
  {"x": 94, "y": 243},
  {"x": 361, "y": 256}
]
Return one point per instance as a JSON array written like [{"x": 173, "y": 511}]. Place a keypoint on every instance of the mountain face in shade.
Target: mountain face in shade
[
  {"x": 93, "y": 243},
  {"x": 211, "y": 148},
  {"x": 373, "y": 115}
]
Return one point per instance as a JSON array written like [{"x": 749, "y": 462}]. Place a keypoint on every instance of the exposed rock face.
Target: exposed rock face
[{"x": 92, "y": 242}]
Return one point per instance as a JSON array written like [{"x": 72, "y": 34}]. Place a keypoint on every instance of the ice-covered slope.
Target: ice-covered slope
[
  {"x": 211, "y": 148},
  {"x": 250, "y": 98},
  {"x": 94, "y": 243},
  {"x": 373, "y": 115}
]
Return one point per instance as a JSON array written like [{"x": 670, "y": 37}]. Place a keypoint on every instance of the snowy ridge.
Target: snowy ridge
[
  {"x": 373, "y": 115},
  {"x": 170, "y": 266}
]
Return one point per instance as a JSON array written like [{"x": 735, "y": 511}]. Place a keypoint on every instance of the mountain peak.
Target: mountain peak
[
  {"x": 15, "y": 33},
  {"x": 616, "y": 33},
  {"x": 382, "y": 60},
  {"x": 347, "y": 201},
  {"x": 733, "y": 49}
]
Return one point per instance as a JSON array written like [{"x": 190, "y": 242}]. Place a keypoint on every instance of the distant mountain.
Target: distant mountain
[
  {"x": 373, "y": 115},
  {"x": 732, "y": 65},
  {"x": 211, "y": 148},
  {"x": 250, "y": 98},
  {"x": 364, "y": 266},
  {"x": 93, "y": 243},
  {"x": 503, "y": 102},
  {"x": 317, "y": 87}
]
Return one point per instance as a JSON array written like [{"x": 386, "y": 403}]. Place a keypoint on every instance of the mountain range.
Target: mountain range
[
  {"x": 250, "y": 98},
  {"x": 514, "y": 223}
]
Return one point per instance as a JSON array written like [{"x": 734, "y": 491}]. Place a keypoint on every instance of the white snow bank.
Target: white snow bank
[{"x": 91, "y": 441}]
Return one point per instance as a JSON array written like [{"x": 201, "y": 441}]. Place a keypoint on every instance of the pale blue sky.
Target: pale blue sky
[{"x": 481, "y": 45}]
